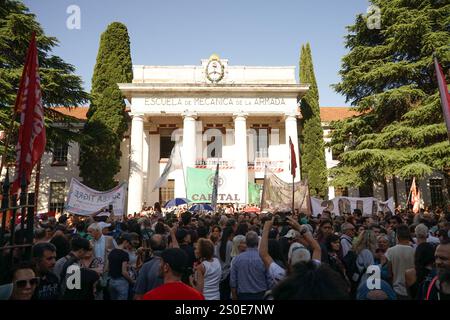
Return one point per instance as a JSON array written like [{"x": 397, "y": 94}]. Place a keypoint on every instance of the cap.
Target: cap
[
  {"x": 104, "y": 225},
  {"x": 176, "y": 258},
  {"x": 298, "y": 253},
  {"x": 291, "y": 234}
]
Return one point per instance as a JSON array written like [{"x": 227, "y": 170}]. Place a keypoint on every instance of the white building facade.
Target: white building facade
[{"x": 238, "y": 116}]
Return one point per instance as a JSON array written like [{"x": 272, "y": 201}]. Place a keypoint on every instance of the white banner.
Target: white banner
[
  {"x": 339, "y": 205},
  {"x": 84, "y": 201}
]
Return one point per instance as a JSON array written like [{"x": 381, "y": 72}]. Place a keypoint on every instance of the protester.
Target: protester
[
  {"x": 239, "y": 245},
  {"x": 423, "y": 265},
  {"x": 348, "y": 232},
  {"x": 118, "y": 262},
  {"x": 173, "y": 265},
  {"x": 149, "y": 274},
  {"x": 437, "y": 285},
  {"x": 208, "y": 270},
  {"x": 400, "y": 258},
  {"x": 275, "y": 272},
  {"x": 224, "y": 254},
  {"x": 44, "y": 255},
  {"x": 24, "y": 282},
  {"x": 311, "y": 281},
  {"x": 249, "y": 268},
  {"x": 79, "y": 247}
]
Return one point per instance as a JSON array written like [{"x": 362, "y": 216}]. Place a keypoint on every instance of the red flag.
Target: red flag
[
  {"x": 445, "y": 96},
  {"x": 293, "y": 158},
  {"x": 31, "y": 139},
  {"x": 415, "y": 196}
]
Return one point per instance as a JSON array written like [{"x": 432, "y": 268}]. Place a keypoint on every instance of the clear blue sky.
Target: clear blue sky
[{"x": 177, "y": 32}]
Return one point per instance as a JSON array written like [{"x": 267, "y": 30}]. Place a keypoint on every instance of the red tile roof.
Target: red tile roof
[
  {"x": 76, "y": 112},
  {"x": 327, "y": 114}
]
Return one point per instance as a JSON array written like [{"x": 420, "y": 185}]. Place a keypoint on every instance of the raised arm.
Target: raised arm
[
  {"x": 173, "y": 232},
  {"x": 308, "y": 237},
  {"x": 264, "y": 245}
]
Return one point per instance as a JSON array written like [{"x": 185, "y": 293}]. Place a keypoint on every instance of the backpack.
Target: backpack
[{"x": 351, "y": 269}]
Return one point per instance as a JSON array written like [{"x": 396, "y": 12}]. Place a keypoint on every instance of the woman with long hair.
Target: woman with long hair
[
  {"x": 333, "y": 245},
  {"x": 365, "y": 247},
  {"x": 224, "y": 255},
  {"x": 208, "y": 271}
]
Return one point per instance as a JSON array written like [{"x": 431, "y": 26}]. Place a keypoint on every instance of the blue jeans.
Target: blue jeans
[{"x": 118, "y": 289}]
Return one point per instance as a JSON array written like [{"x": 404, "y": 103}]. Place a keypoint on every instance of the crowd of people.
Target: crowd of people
[{"x": 234, "y": 255}]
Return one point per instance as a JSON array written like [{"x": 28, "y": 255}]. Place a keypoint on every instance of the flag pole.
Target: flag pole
[
  {"x": 293, "y": 194},
  {"x": 264, "y": 187},
  {"x": 37, "y": 183},
  {"x": 409, "y": 195},
  {"x": 182, "y": 169}
]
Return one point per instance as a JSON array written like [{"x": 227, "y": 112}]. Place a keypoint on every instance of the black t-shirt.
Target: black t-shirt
[
  {"x": 116, "y": 258},
  {"x": 48, "y": 288},
  {"x": 86, "y": 292},
  {"x": 190, "y": 253}
]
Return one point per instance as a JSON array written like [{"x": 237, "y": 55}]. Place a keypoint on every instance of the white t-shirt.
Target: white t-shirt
[
  {"x": 402, "y": 258},
  {"x": 275, "y": 274}
]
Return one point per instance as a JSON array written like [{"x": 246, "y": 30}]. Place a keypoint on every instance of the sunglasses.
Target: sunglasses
[{"x": 23, "y": 283}]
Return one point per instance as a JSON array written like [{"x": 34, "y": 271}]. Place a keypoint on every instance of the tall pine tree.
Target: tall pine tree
[
  {"x": 313, "y": 154},
  {"x": 388, "y": 76},
  {"x": 59, "y": 85},
  {"x": 106, "y": 120}
]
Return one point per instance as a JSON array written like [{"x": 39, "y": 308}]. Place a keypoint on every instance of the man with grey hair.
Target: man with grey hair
[
  {"x": 423, "y": 236},
  {"x": 248, "y": 278},
  {"x": 348, "y": 232},
  {"x": 102, "y": 245}
]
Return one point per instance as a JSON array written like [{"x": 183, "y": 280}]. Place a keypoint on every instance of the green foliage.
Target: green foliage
[
  {"x": 388, "y": 76},
  {"x": 313, "y": 153},
  {"x": 59, "y": 85},
  {"x": 107, "y": 120}
]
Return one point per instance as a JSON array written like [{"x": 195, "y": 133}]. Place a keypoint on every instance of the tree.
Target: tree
[
  {"x": 388, "y": 76},
  {"x": 107, "y": 120},
  {"x": 313, "y": 154},
  {"x": 59, "y": 85}
]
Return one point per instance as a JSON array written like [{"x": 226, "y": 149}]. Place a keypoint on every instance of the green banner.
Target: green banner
[
  {"x": 199, "y": 185},
  {"x": 254, "y": 193}
]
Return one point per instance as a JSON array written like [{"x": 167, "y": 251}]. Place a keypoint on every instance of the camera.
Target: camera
[{"x": 280, "y": 218}]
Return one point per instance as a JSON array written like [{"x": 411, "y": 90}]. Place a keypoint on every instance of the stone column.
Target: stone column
[
  {"x": 241, "y": 156},
  {"x": 188, "y": 151},
  {"x": 136, "y": 180},
  {"x": 291, "y": 131}
]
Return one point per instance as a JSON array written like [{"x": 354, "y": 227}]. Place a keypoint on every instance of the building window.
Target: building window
[
  {"x": 261, "y": 142},
  {"x": 165, "y": 147},
  {"x": 60, "y": 152},
  {"x": 57, "y": 196},
  {"x": 437, "y": 197},
  {"x": 167, "y": 192}
]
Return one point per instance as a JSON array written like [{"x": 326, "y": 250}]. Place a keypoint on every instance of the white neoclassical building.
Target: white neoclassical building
[{"x": 239, "y": 116}]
